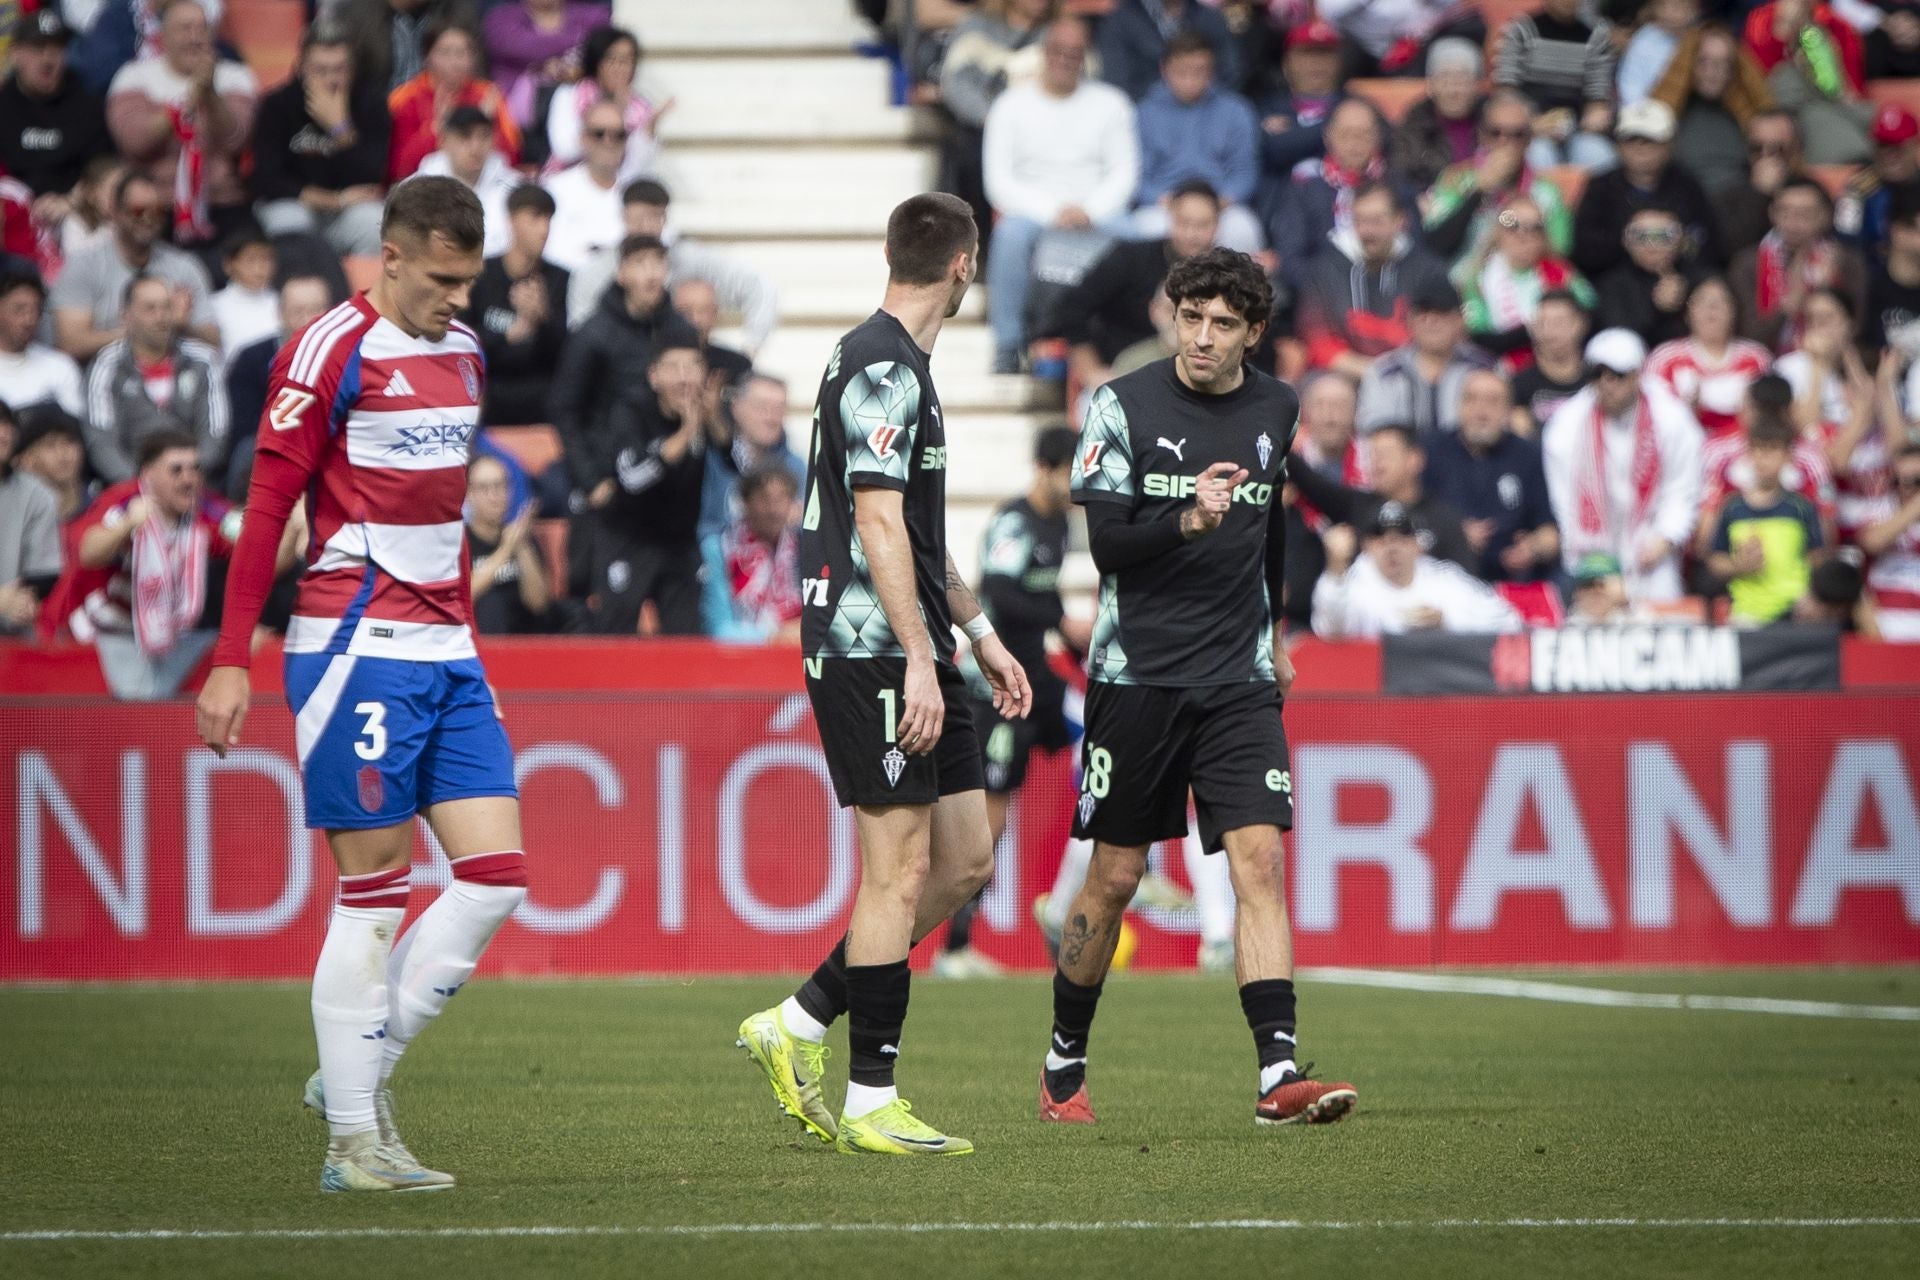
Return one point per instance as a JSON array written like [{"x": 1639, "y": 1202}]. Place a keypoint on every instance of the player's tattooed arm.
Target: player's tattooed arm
[{"x": 961, "y": 602}]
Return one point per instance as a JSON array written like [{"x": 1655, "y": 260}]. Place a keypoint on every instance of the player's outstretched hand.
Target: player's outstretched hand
[
  {"x": 925, "y": 711},
  {"x": 1213, "y": 494},
  {"x": 1012, "y": 695},
  {"x": 222, "y": 708}
]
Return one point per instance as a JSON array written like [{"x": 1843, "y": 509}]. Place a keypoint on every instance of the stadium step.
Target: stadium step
[
  {"x": 789, "y": 191},
  {"x": 798, "y": 352},
  {"x": 829, "y": 282},
  {"x": 769, "y": 26},
  {"x": 728, "y": 100}
]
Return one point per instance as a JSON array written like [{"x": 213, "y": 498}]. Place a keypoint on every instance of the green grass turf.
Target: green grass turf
[{"x": 626, "y": 1104}]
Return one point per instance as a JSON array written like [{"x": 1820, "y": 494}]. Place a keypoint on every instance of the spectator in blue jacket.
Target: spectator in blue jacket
[
  {"x": 1135, "y": 37},
  {"x": 1293, "y": 116},
  {"x": 1496, "y": 481},
  {"x": 1303, "y": 215},
  {"x": 1190, "y": 128}
]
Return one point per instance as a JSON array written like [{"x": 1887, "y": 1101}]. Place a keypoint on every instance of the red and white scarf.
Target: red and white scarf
[
  {"x": 168, "y": 568},
  {"x": 1817, "y": 270},
  {"x": 1596, "y": 507},
  {"x": 191, "y": 220},
  {"x": 764, "y": 579},
  {"x": 1513, "y": 297},
  {"x": 1345, "y": 182}
]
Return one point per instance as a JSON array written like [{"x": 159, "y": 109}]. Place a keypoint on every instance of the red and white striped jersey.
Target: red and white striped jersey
[
  {"x": 1724, "y": 470},
  {"x": 1895, "y": 580},
  {"x": 373, "y": 427},
  {"x": 1713, "y": 389}
]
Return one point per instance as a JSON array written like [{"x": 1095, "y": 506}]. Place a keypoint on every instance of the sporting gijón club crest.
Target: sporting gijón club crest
[{"x": 895, "y": 764}]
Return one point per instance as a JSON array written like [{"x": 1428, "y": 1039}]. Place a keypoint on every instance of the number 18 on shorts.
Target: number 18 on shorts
[{"x": 1147, "y": 747}]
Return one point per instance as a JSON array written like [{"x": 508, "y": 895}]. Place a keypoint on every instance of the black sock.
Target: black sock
[
  {"x": 824, "y": 995},
  {"x": 1073, "y": 1010},
  {"x": 1269, "y": 1007},
  {"x": 876, "y": 1009},
  {"x": 960, "y": 931}
]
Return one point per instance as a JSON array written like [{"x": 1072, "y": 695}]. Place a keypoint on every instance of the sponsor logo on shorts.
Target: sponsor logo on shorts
[
  {"x": 895, "y": 764},
  {"x": 380, "y": 633}
]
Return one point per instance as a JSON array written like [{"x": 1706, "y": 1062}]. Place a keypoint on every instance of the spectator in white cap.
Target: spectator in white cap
[
  {"x": 1646, "y": 176},
  {"x": 1623, "y": 469},
  {"x": 1393, "y": 588}
]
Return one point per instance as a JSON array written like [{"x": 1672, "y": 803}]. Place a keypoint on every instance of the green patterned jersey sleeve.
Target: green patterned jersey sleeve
[
  {"x": 1103, "y": 469},
  {"x": 880, "y": 413}
]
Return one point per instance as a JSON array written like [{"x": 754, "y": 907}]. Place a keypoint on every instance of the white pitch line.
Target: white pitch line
[
  {"x": 1564, "y": 993},
  {"x": 937, "y": 1228}
]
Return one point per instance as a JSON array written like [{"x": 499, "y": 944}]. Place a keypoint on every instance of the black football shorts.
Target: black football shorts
[
  {"x": 1146, "y": 747},
  {"x": 857, "y": 703},
  {"x": 1007, "y": 744}
]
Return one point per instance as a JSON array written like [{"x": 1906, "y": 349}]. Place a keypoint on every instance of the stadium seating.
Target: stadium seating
[
  {"x": 1391, "y": 96},
  {"x": 267, "y": 34}
]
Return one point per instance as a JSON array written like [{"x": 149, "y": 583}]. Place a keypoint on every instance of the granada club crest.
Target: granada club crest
[
  {"x": 470, "y": 378},
  {"x": 373, "y": 789}
]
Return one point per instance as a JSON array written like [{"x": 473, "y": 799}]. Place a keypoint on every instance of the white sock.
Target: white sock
[
  {"x": 1212, "y": 890},
  {"x": 438, "y": 954},
  {"x": 1057, "y": 1063},
  {"x": 350, "y": 1011},
  {"x": 803, "y": 1025},
  {"x": 1270, "y": 1076},
  {"x": 1067, "y": 881},
  {"x": 865, "y": 1098}
]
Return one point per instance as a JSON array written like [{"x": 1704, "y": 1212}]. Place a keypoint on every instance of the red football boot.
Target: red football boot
[
  {"x": 1075, "y": 1110},
  {"x": 1301, "y": 1100}
]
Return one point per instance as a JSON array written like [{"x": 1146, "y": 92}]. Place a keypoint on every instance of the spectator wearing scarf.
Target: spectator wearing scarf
[
  {"x": 1797, "y": 256},
  {"x": 139, "y": 583},
  {"x": 752, "y": 588},
  {"x": 1622, "y": 459},
  {"x": 1303, "y": 221}
]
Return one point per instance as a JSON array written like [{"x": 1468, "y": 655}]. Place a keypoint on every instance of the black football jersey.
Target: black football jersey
[
  {"x": 1198, "y": 615},
  {"x": 876, "y": 423}
]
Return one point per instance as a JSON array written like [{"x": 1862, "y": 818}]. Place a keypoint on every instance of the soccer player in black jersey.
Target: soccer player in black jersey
[
  {"x": 1180, "y": 468},
  {"x": 1020, "y": 559},
  {"x": 880, "y": 600}
]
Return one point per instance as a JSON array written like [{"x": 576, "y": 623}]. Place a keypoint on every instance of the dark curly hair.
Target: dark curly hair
[{"x": 1226, "y": 274}]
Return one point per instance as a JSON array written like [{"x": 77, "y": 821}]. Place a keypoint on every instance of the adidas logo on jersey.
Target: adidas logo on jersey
[{"x": 398, "y": 385}]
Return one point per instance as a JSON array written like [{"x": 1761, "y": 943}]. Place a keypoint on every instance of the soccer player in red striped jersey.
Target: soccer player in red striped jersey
[{"x": 369, "y": 412}]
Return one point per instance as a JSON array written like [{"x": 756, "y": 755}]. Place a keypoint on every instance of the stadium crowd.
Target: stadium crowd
[{"x": 1597, "y": 311}]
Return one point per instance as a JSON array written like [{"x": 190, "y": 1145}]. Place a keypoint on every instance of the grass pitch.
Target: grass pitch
[{"x": 621, "y": 1117}]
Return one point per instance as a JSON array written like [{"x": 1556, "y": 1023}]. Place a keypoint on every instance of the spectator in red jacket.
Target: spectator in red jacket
[
  {"x": 450, "y": 78},
  {"x": 139, "y": 583}
]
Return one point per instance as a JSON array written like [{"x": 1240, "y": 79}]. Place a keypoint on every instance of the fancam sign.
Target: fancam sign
[{"x": 1649, "y": 658}]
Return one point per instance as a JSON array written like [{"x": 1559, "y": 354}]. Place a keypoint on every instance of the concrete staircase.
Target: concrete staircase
[{"x": 782, "y": 149}]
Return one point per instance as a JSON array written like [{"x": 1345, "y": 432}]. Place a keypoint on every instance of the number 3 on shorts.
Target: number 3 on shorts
[
  {"x": 1099, "y": 772},
  {"x": 372, "y": 742}
]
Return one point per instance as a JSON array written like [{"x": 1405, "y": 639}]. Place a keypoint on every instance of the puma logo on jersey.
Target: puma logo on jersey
[
  {"x": 398, "y": 385},
  {"x": 1165, "y": 443}
]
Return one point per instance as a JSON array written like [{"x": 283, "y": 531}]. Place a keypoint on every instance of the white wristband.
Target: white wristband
[{"x": 978, "y": 627}]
